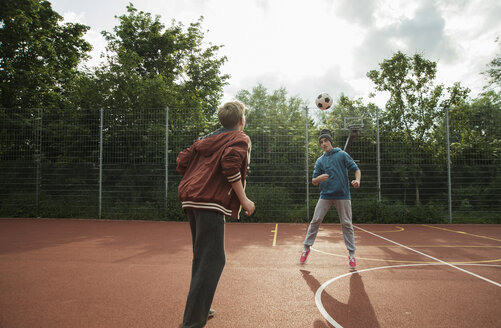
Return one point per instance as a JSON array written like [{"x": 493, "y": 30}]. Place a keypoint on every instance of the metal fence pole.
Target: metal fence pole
[
  {"x": 449, "y": 183},
  {"x": 378, "y": 157},
  {"x": 166, "y": 158},
  {"x": 100, "y": 164},
  {"x": 306, "y": 164},
  {"x": 38, "y": 159}
]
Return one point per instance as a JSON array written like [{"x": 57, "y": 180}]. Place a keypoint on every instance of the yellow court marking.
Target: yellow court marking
[
  {"x": 405, "y": 261},
  {"x": 275, "y": 236},
  {"x": 461, "y": 232}
]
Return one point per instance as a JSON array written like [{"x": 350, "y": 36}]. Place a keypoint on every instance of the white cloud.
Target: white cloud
[
  {"x": 358, "y": 12},
  {"x": 73, "y": 17}
]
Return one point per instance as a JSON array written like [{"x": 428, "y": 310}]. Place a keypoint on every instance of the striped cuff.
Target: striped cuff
[{"x": 234, "y": 177}]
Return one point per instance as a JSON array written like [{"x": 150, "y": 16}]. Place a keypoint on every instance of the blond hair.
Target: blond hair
[{"x": 231, "y": 113}]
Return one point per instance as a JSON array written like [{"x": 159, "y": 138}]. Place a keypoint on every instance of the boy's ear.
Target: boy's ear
[{"x": 242, "y": 122}]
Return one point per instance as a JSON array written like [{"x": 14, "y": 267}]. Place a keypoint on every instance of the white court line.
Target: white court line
[
  {"x": 433, "y": 258},
  {"x": 318, "y": 294}
]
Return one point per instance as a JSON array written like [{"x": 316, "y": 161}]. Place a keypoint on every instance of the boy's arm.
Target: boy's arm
[
  {"x": 183, "y": 160},
  {"x": 318, "y": 174},
  {"x": 352, "y": 166},
  {"x": 358, "y": 175},
  {"x": 231, "y": 162},
  {"x": 321, "y": 178},
  {"x": 247, "y": 204}
]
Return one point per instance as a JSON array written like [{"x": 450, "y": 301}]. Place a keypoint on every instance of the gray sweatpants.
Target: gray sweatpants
[{"x": 343, "y": 207}]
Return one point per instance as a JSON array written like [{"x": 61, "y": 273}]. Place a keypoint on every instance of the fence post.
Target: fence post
[
  {"x": 38, "y": 155},
  {"x": 166, "y": 159},
  {"x": 100, "y": 201},
  {"x": 306, "y": 164},
  {"x": 378, "y": 157},
  {"x": 449, "y": 183}
]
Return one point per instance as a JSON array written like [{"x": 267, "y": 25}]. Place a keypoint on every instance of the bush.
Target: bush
[
  {"x": 386, "y": 213},
  {"x": 273, "y": 204}
]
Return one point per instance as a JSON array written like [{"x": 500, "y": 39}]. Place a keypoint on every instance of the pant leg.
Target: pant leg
[
  {"x": 343, "y": 207},
  {"x": 323, "y": 205},
  {"x": 208, "y": 262}
]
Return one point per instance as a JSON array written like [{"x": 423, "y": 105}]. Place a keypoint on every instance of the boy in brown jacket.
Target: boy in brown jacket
[{"x": 214, "y": 169}]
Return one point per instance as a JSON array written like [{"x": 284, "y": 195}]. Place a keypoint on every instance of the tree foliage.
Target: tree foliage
[
  {"x": 39, "y": 56},
  {"x": 276, "y": 126},
  {"x": 415, "y": 101},
  {"x": 475, "y": 140},
  {"x": 494, "y": 69},
  {"x": 151, "y": 66},
  {"x": 277, "y": 122},
  {"x": 412, "y": 113}
]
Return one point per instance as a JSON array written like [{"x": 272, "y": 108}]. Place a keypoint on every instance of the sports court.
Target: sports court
[{"x": 99, "y": 273}]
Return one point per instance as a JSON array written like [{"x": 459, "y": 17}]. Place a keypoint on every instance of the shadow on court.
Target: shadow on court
[
  {"x": 143, "y": 239},
  {"x": 358, "y": 312}
]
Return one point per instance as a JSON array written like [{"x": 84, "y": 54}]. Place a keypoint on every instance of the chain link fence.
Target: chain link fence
[{"x": 120, "y": 164}]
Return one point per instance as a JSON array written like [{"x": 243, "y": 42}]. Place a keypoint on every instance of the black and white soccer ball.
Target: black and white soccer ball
[{"x": 323, "y": 101}]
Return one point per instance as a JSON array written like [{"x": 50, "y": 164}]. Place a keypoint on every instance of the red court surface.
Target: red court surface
[{"x": 89, "y": 273}]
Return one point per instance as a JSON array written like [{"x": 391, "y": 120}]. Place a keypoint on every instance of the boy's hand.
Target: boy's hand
[
  {"x": 249, "y": 207},
  {"x": 322, "y": 177},
  {"x": 355, "y": 184}
]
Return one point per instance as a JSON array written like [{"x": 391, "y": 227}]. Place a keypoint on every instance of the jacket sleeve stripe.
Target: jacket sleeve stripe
[{"x": 234, "y": 177}]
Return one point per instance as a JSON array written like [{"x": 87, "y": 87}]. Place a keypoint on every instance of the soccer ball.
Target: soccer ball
[{"x": 323, "y": 101}]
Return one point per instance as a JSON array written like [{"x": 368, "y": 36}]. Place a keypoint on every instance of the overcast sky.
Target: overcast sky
[{"x": 317, "y": 46}]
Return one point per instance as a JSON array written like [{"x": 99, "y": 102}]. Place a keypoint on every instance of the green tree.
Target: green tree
[
  {"x": 494, "y": 69},
  {"x": 476, "y": 156},
  {"x": 39, "y": 56},
  {"x": 39, "y": 59},
  {"x": 413, "y": 105},
  {"x": 474, "y": 136},
  {"x": 150, "y": 66},
  {"x": 276, "y": 126},
  {"x": 278, "y": 121},
  {"x": 412, "y": 113}
]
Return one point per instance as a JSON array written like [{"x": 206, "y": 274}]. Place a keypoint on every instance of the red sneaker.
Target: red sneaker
[
  {"x": 352, "y": 263},
  {"x": 304, "y": 256}
]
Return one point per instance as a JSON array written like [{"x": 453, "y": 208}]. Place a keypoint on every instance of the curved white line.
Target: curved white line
[{"x": 318, "y": 294}]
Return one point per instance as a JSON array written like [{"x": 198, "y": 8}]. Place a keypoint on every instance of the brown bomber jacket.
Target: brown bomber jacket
[{"x": 209, "y": 167}]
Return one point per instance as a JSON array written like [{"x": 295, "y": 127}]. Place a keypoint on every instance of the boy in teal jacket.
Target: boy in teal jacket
[{"x": 331, "y": 173}]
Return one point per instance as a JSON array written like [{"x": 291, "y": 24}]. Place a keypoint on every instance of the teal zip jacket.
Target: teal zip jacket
[{"x": 336, "y": 164}]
